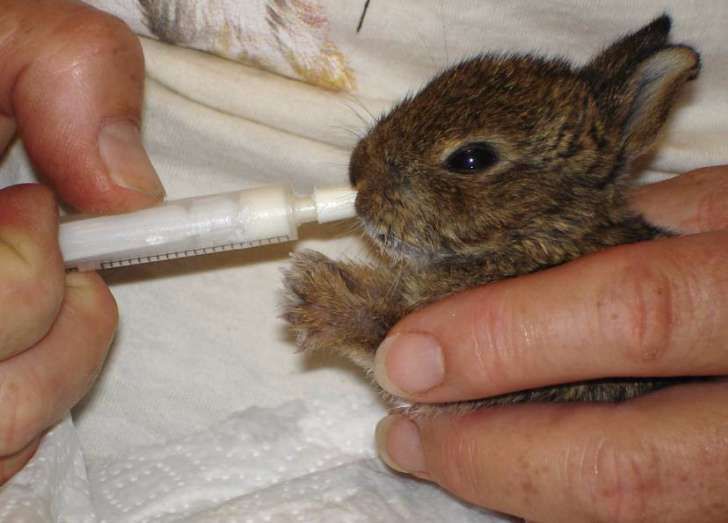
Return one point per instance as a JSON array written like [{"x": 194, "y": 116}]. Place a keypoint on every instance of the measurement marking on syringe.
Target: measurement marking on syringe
[
  {"x": 178, "y": 228},
  {"x": 127, "y": 262}
]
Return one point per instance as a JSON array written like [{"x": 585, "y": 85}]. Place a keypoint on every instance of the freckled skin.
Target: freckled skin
[{"x": 564, "y": 139}]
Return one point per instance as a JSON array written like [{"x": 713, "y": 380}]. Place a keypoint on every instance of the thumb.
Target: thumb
[{"x": 72, "y": 82}]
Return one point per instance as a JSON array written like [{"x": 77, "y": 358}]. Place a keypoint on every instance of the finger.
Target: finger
[
  {"x": 31, "y": 268},
  {"x": 10, "y": 465},
  {"x": 659, "y": 458},
  {"x": 693, "y": 202},
  {"x": 73, "y": 80},
  {"x": 652, "y": 309},
  {"x": 7, "y": 132},
  {"x": 39, "y": 385}
]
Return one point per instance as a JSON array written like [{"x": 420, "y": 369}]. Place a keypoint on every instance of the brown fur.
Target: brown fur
[{"x": 564, "y": 137}]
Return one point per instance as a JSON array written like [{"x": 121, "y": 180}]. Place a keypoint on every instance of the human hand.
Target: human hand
[
  {"x": 653, "y": 309},
  {"x": 71, "y": 85}
]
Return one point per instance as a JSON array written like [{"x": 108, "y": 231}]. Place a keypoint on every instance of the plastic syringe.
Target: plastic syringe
[{"x": 200, "y": 225}]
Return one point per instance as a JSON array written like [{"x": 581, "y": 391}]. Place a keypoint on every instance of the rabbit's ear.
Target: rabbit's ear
[
  {"x": 636, "y": 80},
  {"x": 649, "y": 94},
  {"x": 621, "y": 58}
]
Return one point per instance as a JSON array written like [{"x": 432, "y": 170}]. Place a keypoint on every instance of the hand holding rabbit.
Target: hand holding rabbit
[{"x": 653, "y": 308}]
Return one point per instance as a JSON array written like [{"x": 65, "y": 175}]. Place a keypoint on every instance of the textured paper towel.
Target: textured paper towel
[
  {"x": 299, "y": 462},
  {"x": 204, "y": 412}
]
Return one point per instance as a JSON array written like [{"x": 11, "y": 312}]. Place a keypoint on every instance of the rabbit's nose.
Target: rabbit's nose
[
  {"x": 357, "y": 163},
  {"x": 394, "y": 171},
  {"x": 353, "y": 174}
]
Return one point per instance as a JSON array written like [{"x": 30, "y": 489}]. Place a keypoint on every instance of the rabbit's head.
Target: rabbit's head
[{"x": 498, "y": 147}]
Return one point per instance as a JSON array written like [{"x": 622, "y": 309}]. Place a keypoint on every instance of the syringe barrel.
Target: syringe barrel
[{"x": 181, "y": 228}]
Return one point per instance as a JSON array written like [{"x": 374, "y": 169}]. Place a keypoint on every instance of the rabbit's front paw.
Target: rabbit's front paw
[{"x": 328, "y": 307}]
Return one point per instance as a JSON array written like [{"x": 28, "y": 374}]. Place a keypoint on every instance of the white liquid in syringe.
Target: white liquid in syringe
[{"x": 195, "y": 226}]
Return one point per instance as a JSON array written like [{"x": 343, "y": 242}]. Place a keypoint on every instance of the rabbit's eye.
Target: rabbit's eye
[{"x": 471, "y": 158}]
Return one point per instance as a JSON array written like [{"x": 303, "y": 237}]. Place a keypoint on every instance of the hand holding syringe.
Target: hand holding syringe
[{"x": 202, "y": 225}]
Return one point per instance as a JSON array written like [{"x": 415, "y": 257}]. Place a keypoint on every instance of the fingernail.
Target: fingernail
[
  {"x": 409, "y": 363},
  {"x": 120, "y": 146},
  {"x": 399, "y": 445}
]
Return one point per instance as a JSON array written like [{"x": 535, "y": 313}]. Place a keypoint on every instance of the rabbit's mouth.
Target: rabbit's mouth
[{"x": 393, "y": 246}]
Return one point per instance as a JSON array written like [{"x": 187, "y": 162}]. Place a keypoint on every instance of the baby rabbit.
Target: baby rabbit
[{"x": 502, "y": 165}]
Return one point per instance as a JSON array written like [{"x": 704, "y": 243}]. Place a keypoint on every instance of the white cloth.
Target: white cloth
[{"x": 204, "y": 411}]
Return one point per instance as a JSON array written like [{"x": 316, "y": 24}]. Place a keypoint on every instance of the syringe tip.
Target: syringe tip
[{"x": 334, "y": 203}]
